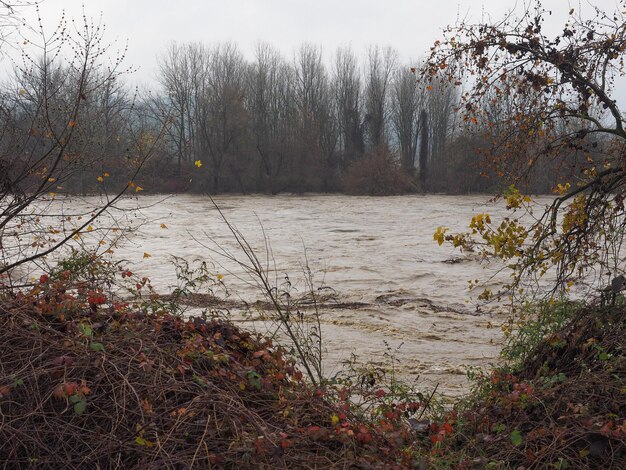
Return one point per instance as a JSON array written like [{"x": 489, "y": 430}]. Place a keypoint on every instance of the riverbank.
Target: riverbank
[{"x": 89, "y": 379}]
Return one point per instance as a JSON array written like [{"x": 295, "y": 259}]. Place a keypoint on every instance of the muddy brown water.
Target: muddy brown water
[{"x": 399, "y": 294}]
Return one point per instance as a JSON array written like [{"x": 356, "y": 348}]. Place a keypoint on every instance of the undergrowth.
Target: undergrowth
[
  {"x": 558, "y": 400},
  {"x": 90, "y": 378},
  {"x": 533, "y": 324}
]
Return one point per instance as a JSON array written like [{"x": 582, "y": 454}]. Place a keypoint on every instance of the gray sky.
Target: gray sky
[{"x": 410, "y": 26}]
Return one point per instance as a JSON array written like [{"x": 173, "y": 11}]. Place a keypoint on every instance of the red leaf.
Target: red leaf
[
  {"x": 62, "y": 361},
  {"x": 606, "y": 429},
  {"x": 59, "y": 392}
]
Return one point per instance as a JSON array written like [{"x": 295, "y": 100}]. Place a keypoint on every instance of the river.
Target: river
[
  {"x": 411, "y": 298},
  {"x": 399, "y": 294}
]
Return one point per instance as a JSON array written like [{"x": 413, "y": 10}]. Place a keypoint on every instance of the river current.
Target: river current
[{"x": 397, "y": 293}]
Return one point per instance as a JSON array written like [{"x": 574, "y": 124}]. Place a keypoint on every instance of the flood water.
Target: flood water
[
  {"x": 413, "y": 301},
  {"x": 410, "y": 295}
]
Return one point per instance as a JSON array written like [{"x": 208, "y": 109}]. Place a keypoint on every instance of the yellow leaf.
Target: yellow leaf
[
  {"x": 439, "y": 235},
  {"x": 106, "y": 174},
  {"x": 219, "y": 277},
  {"x": 72, "y": 124},
  {"x": 100, "y": 178},
  {"x": 90, "y": 229},
  {"x": 131, "y": 184},
  {"x": 138, "y": 188},
  {"x": 198, "y": 163},
  {"x": 22, "y": 92},
  {"x": 147, "y": 406},
  {"x": 334, "y": 419},
  {"x": 147, "y": 255},
  {"x": 51, "y": 180},
  {"x": 143, "y": 442},
  {"x": 163, "y": 226}
]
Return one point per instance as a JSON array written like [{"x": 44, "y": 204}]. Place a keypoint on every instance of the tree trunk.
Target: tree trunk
[{"x": 423, "y": 149}]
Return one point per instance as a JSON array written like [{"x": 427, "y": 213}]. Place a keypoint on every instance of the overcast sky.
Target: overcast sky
[{"x": 410, "y": 26}]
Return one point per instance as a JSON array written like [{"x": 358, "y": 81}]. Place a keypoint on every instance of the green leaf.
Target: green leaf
[
  {"x": 80, "y": 407},
  {"x": 75, "y": 399},
  {"x": 254, "y": 379},
  {"x": 96, "y": 347},
  {"x": 18, "y": 383},
  {"x": 516, "y": 438},
  {"x": 199, "y": 380},
  {"x": 498, "y": 428},
  {"x": 143, "y": 442},
  {"x": 562, "y": 464},
  {"x": 603, "y": 356},
  {"x": 85, "y": 329}
]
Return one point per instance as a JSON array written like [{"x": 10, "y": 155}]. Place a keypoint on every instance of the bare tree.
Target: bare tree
[
  {"x": 11, "y": 20},
  {"x": 175, "y": 76},
  {"x": 222, "y": 119},
  {"x": 313, "y": 103},
  {"x": 424, "y": 148},
  {"x": 381, "y": 65},
  {"x": 407, "y": 99},
  {"x": 440, "y": 104},
  {"x": 41, "y": 124},
  {"x": 271, "y": 109},
  {"x": 347, "y": 95}
]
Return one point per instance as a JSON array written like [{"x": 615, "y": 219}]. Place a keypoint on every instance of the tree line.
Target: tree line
[
  {"x": 271, "y": 125},
  {"x": 219, "y": 122}
]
